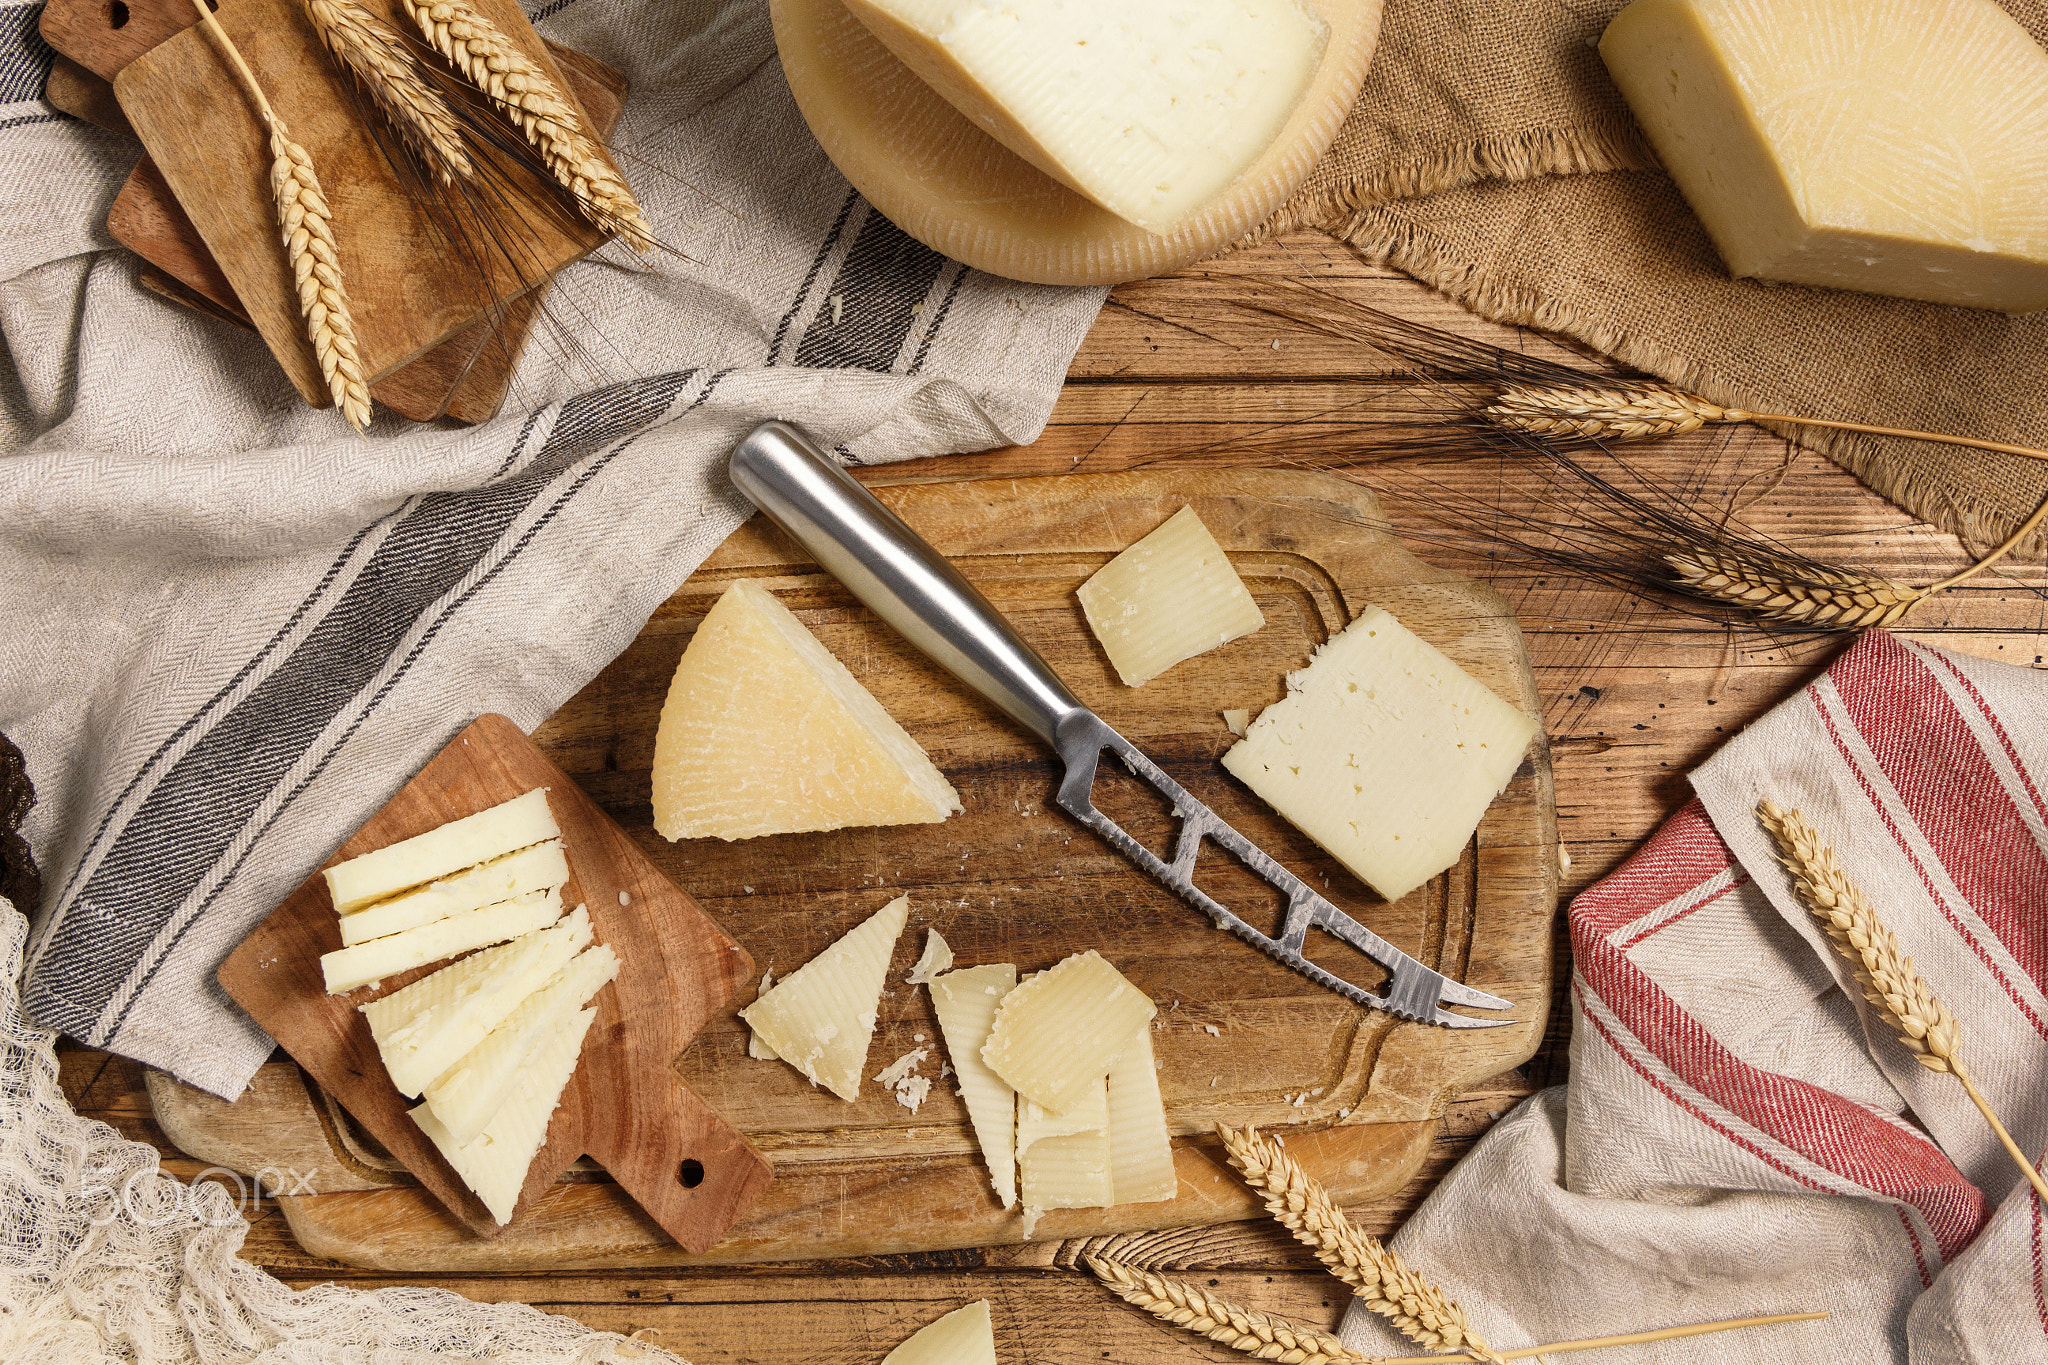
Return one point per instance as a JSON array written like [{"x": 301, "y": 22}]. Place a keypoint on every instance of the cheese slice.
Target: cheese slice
[
  {"x": 1140, "y": 1151},
  {"x": 1057, "y": 1033},
  {"x": 495, "y": 1162},
  {"x": 426, "y": 1028},
  {"x": 965, "y": 1002},
  {"x": 1148, "y": 107},
  {"x": 1893, "y": 146},
  {"x": 757, "y": 1049},
  {"x": 819, "y": 1018},
  {"x": 936, "y": 958},
  {"x": 962, "y": 1337},
  {"x": 467, "y": 1094},
  {"x": 764, "y": 732},
  {"x": 1089, "y": 1113},
  {"x": 348, "y": 968},
  {"x": 1067, "y": 1172},
  {"x": 442, "y": 851},
  {"x": 502, "y": 879},
  {"x": 1169, "y": 597},
  {"x": 1384, "y": 752}
]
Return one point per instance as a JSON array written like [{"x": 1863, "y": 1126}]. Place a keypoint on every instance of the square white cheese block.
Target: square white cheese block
[
  {"x": 442, "y": 851},
  {"x": 348, "y": 968},
  {"x": 501, "y": 879},
  {"x": 1169, "y": 597},
  {"x": 1891, "y": 146},
  {"x": 1384, "y": 752}
]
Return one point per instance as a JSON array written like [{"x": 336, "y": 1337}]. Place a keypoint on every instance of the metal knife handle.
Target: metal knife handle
[{"x": 903, "y": 580}]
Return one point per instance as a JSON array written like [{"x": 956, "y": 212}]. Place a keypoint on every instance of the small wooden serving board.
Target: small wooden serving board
[
  {"x": 1012, "y": 879},
  {"x": 683, "y": 1165}
]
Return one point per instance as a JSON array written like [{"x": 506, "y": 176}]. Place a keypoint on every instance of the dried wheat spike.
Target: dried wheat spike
[
  {"x": 1621, "y": 413},
  {"x": 1777, "y": 592},
  {"x": 1882, "y": 968},
  {"x": 1418, "y": 1309},
  {"x": 1263, "y": 1336},
  {"x": 302, "y": 221},
  {"x": 490, "y": 61},
  {"x": 385, "y": 68}
]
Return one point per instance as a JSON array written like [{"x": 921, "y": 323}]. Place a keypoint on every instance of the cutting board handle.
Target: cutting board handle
[{"x": 682, "y": 1163}]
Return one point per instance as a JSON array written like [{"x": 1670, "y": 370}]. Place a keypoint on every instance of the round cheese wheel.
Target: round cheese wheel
[{"x": 959, "y": 191}]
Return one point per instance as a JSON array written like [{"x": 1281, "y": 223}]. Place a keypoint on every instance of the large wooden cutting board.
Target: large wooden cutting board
[{"x": 1012, "y": 879}]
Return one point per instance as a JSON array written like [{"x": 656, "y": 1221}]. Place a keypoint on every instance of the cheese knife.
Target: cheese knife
[{"x": 901, "y": 578}]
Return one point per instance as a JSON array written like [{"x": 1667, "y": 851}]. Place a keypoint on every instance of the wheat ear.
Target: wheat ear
[
  {"x": 1418, "y": 1309},
  {"x": 1890, "y": 981},
  {"x": 490, "y": 61},
  {"x": 302, "y": 221},
  {"x": 1779, "y": 591},
  {"x": 1263, "y": 1336},
  {"x": 388, "y": 72}
]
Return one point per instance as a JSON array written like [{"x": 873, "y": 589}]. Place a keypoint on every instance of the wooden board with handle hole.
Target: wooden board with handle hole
[
  {"x": 419, "y": 268},
  {"x": 682, "y": 1165},
  {"x": 1240, "y": 1039}
]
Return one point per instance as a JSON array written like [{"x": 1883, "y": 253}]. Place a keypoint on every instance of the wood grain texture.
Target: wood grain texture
[
  {"x": 934, "y": 173},
  {"x": 1012, "y": 880},
  {"x": 412, "y": 282},
  {"x": 84, "y": 95},
  {"x": 624, "y": 1106}
]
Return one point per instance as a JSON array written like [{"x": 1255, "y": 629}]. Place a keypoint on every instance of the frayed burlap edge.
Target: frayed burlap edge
[
  {"x": 1608, "y": 145},
  {"x": 1412, "y": 251}
]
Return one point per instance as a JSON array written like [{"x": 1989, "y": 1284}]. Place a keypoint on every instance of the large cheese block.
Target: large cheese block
[
  {"x": 1384, "y": 752},
  {"x": 442, "y": 850},
  {"x": 347, "y": 968},
  {"x": 820, "y": 1017},
  {"x": 1893, "y": 146},
  {"x": 764, "y": 732},
  {"x": 1169, "y": 597},
  {"x": 1148, "y": 107}
]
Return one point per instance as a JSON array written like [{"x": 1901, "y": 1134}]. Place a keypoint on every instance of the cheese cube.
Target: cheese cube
[
  {"x": 965, "y": 1002},
  {"x": 820, "y": 1017},
  {"x": 348, "y": 968},
  {"x": 1169, "y": 597},
  {"x": 1056, "y": 1034},
  {"x": 443, "y": 850},
  {"x": 1384, "y": 752},
  {"x": 1148, "y": 107},
  {"x": 495, "y": 1162},
  {"x": 502, "y": 879},
  {"x": 962, "y": 1337},
  {"x": 764, "y": 732},
  {"x": 467, "y": 1094},
  {"x": 424, "y": 1029},
  {"x": 1892, "y": 146}
]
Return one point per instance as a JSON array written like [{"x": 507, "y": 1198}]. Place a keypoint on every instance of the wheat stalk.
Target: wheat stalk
[
  {"x": 1418, "y": 1309},
  {"x": 490, "y": 61},
  {"x": 1263, "y": 1336},
  {"x": 1889, "y": 980},
  {"x": 1779, "y": 591},
  {"x": 303, "y": 224},
  {"x": 387, "y": 71}
]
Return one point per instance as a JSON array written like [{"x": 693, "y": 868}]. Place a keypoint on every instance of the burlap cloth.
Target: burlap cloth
[{"x": 1468, "y": 163}]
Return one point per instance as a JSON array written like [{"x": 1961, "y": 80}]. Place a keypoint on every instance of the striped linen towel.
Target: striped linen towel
[
  {"x": 234, "y": 628},
  {"x": 1741, "y": 1134}
]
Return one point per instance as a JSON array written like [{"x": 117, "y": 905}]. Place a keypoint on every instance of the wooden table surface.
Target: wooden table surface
[{"x": 1635, "y": 695}]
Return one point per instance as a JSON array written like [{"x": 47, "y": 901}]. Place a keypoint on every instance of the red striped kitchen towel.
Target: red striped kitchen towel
[{"x": 1740, "y": 1135}]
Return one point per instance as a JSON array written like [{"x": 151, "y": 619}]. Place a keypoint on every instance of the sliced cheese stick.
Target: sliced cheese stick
[
  {"x": 1057, "y": 1033},
  {"x": 502, "y": 879},
  {"x": 425, "y": 1028},
  {"x": 348, "y": 968},
  {"x": 495, "y": 1162},
  {"x": 467, "y": 1094},
  {"x": 965, "y": 1002},
  {"x": 442, "y": 851}
]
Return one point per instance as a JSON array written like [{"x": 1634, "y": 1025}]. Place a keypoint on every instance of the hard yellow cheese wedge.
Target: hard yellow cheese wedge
[
  {"x": 1057, "y": 1033},
  {"x": 1169, "y": 597},
  {"x": 495, "y": 1162},
  {"x": 965, "y": 1002},
  {"x": 820, "y": 1017},
  {"x": 1384, "y": 752},
  {"x": 442, "y": 851},
  {"x": 1893, "y": 146},
  {"x": 962, "y": 1337},
  {"x": 764, "y": 732},
  {"x": 1148, "y": 107}
]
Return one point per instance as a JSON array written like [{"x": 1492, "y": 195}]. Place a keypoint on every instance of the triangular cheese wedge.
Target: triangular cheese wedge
[
  {"x": 1140, "y": 1152},
  {"x": 962, "y": 1337},
  {"x": 424, "y": 1029},
  {"x": 466, "y": 1095},
  {"x": 819, "y": 1018},
  {"x": 494, "y": 1163},
  {"x": 764, "y": 732},
  {"x": 965, "y": 1002}
]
